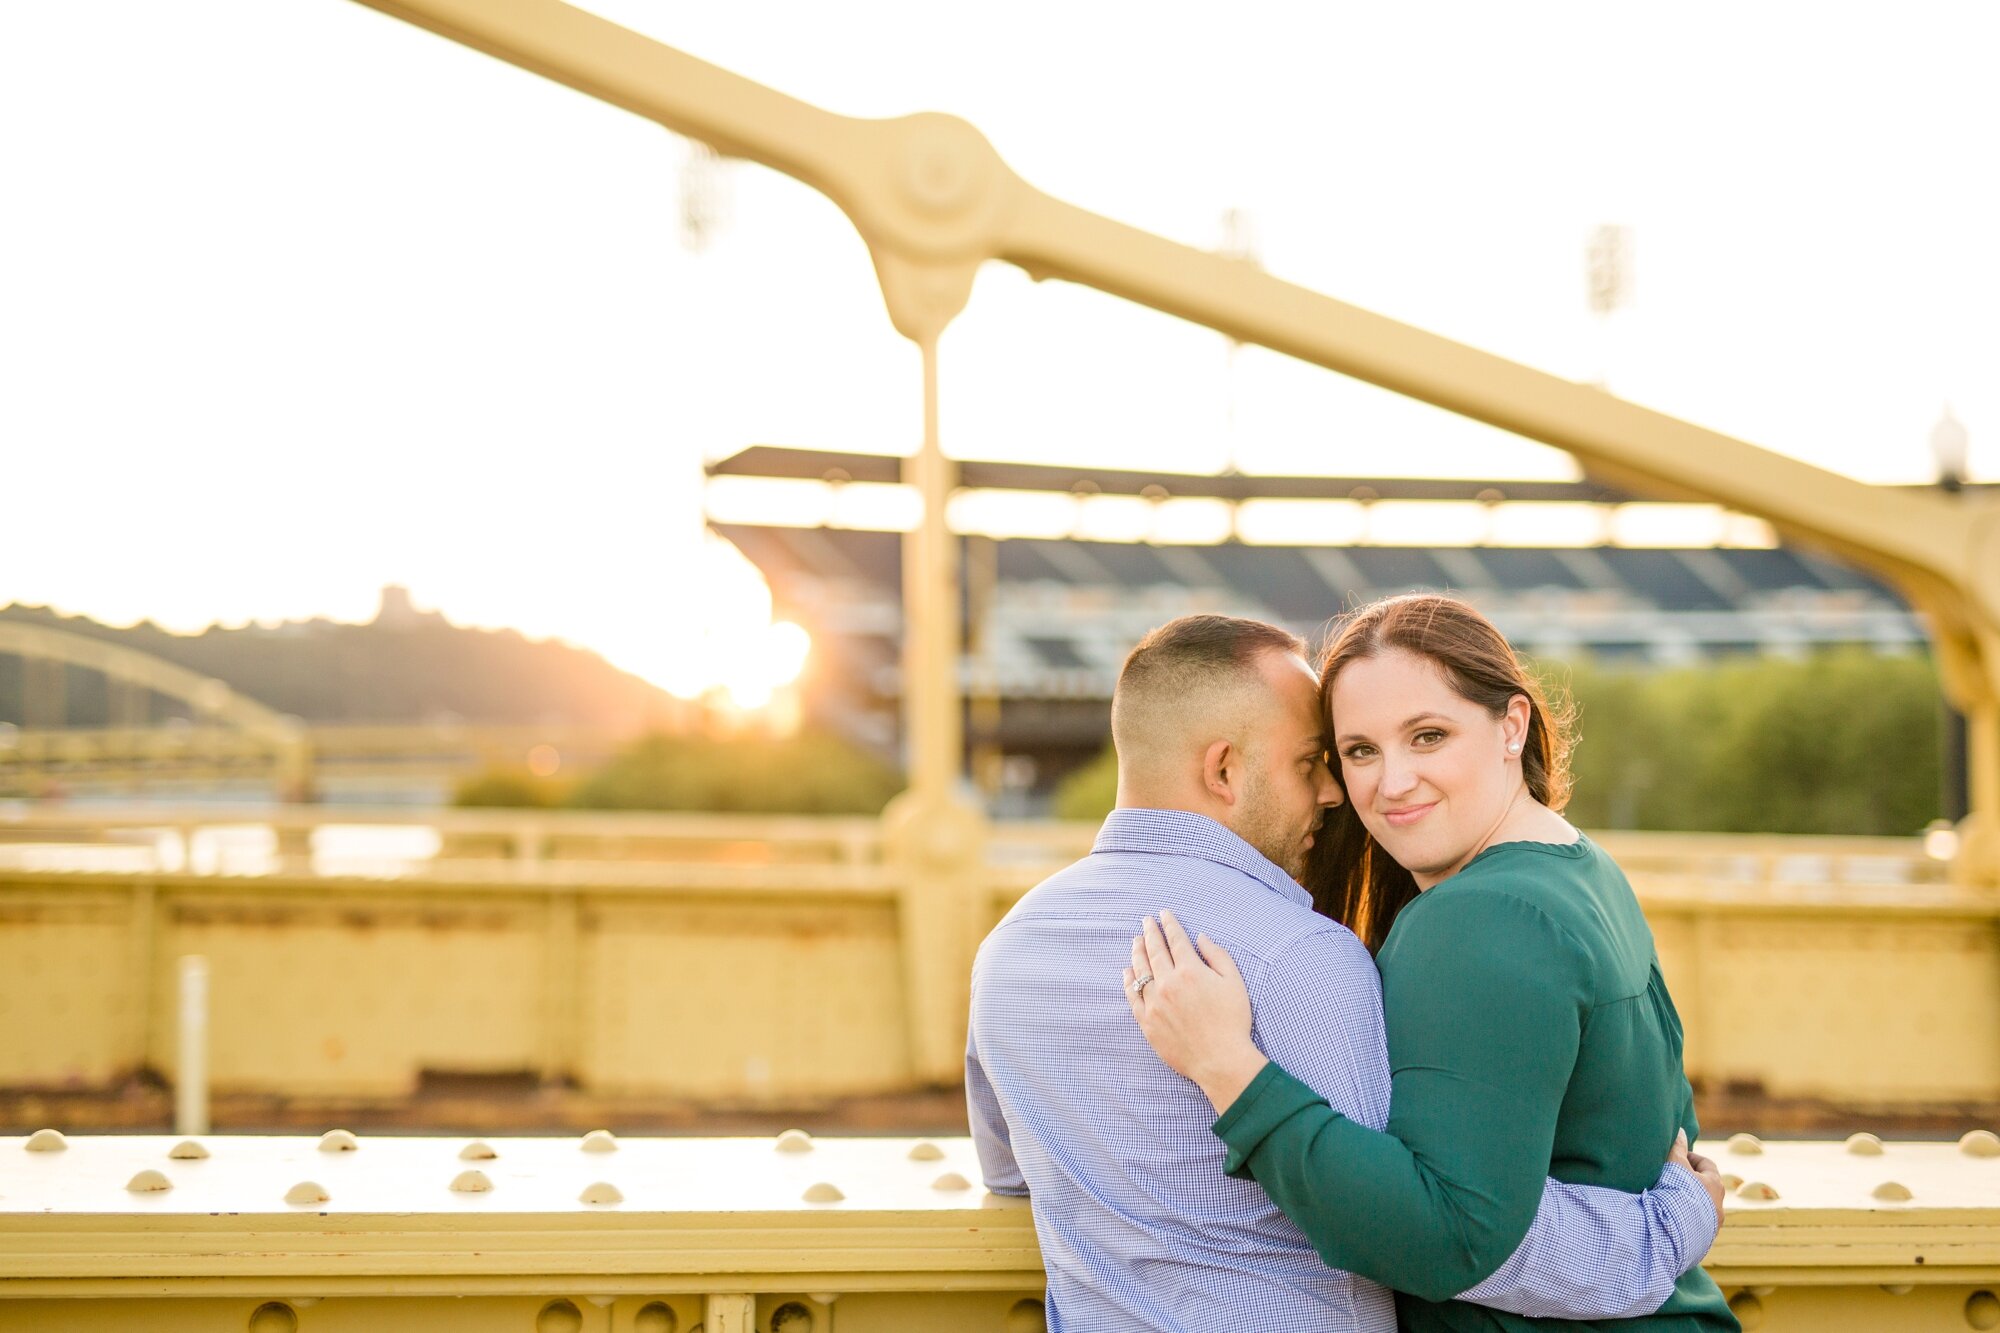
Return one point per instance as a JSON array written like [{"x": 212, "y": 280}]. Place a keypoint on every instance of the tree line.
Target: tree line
[{"x": 1841, "y": 741}]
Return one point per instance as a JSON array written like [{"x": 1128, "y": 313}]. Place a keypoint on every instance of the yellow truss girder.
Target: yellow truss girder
[{"x": 933, "y": 200}]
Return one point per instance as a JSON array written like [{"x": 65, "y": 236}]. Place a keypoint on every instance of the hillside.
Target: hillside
[{"x": 404, "y": 667}]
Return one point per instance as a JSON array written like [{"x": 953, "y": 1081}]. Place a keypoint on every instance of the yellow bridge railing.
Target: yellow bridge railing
[
  {"x": 792, "y": 1235},
  {"x": 589, "y": 949}
]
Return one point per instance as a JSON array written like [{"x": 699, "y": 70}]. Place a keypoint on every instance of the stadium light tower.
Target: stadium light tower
[
  {"x": 1951, "y": 443},
  {"x": 1239, "y": 242},
  {"x": 1608, "y": 278},
  {"x": 704, "y": 196}
]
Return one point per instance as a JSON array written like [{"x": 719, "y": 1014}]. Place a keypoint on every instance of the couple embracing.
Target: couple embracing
[{"x": 1392, "y": 1047}]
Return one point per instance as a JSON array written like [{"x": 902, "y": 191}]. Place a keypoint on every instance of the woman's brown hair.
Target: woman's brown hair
[{"x": 1351, "y": 878}]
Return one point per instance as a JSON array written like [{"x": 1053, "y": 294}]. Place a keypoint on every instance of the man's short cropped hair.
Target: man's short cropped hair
[{"x": 1186, "y": 658}]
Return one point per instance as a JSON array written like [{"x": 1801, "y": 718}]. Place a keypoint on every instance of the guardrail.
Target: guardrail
[
  {"x": 534, "y": 839},
  {"x": 761, "y": 959},
  {"x": 795, "y": 1235}
]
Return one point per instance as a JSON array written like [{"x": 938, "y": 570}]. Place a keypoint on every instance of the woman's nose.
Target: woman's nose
[{"x": 1397, "y": 777}]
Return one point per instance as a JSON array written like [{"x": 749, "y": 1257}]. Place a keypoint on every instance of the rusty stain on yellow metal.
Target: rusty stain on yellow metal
[{"x": 149, "y": 1181}]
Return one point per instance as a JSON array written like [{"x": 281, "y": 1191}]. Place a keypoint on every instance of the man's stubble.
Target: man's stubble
[{"x": 1265, "y": 828}]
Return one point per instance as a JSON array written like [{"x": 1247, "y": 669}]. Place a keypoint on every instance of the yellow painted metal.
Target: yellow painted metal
[
  {"x": 933, "y": 201},
  {"x": 541, "y": 841},
  {"x": 834, "y": 964},
  {"x": 721, "y": 1231},
  {"x": 933, "y": 837}
]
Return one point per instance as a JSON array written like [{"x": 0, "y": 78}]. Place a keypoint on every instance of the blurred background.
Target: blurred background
[{"x": 451, "y": 579}]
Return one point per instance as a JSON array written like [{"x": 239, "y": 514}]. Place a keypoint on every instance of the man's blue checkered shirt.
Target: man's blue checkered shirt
[{"x": 1139, "y": 1227}]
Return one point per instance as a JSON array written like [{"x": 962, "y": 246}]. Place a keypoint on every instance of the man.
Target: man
[{"x": 1222, "y": 780}]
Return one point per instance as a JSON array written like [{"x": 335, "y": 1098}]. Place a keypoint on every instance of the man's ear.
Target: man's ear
[{"x": 1218, "y": 771}]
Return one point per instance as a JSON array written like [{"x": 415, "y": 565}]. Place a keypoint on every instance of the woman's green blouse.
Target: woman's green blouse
[{"x": 1530, "y": 1035}]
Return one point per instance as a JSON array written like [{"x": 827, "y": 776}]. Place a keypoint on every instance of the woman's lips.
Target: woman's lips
[{"x": 1409, "y": 814}]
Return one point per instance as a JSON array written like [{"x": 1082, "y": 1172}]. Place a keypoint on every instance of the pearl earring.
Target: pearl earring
[{"x": 1515, "y": 748}]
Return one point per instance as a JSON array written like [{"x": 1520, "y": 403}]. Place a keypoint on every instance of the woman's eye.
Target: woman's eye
[
  {"x": 1429, "y": 737},
  {"x": 1358, "y": 752}
]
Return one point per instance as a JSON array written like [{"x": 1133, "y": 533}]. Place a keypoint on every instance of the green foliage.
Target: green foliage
[
  {"x": 1845, "y": 741},
  {"x": 508, "y": 788},
  {"x": 811, "y": 773},
  {"x": 1090, "y": 792}
]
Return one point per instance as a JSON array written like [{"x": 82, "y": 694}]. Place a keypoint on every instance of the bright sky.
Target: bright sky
[{"x": 296, "y": 300}]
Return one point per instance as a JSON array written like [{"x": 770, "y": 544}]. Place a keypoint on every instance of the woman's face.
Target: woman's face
[{"x": 1429, "y": 771}]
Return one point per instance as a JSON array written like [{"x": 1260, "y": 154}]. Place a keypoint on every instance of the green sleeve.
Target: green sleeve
[{"x": 1485, "y": 1001}]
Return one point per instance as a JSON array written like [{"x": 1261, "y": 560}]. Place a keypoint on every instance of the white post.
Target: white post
[{"x": 191, "y": 1081}]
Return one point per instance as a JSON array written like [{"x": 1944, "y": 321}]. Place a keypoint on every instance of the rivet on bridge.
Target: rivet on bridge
[
  {"x": 338, "y": 1140},
  {"x": 599, "y": 1140},
  {"x": 794, "y": 1140}
]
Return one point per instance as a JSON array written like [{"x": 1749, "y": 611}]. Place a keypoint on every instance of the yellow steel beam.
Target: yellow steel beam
[
  {"x": 933, "y": 200},
  {"x": 931, "y": 191},
  {"x": 875, "y": 1235}
]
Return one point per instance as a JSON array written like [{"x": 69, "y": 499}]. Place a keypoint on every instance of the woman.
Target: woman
[{"x": 1529, "y": 1029}]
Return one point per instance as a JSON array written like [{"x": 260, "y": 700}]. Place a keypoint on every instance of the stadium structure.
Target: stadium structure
[{"x": 1050, "y": 618}]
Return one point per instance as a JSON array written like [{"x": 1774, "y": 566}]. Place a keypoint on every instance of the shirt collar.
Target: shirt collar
[{"x": 1184, "y": 833}]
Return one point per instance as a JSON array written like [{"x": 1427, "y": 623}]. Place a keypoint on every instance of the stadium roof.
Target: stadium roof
[{"x": 770, "y": 460}]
